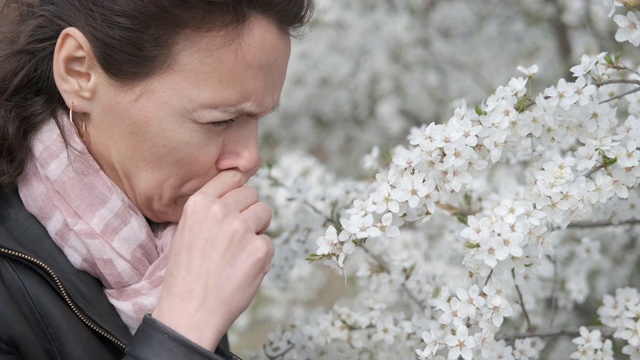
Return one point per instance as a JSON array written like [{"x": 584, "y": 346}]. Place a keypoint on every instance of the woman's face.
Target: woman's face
[{"x": 162, "y": 140}]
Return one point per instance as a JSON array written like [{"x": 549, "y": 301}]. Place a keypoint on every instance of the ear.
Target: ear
[{"x": 75, "y": 69}]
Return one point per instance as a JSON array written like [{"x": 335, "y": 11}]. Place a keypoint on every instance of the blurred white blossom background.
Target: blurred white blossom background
[
  {"x": 369, "y": 70},
  {"x": 368, "y": 76}
]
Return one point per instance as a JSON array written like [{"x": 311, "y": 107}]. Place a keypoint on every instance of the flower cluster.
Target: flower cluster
[
  {"x": 479, "y": 233},
  {"x": 403, "y": 62},
  {"x": 343, "y": 331},
  {"x": 591, "y": 346},
  {"x": 298, "y": 187},
  {"x": 622, "y": 313},
  {"x": 576, "y": 157}
]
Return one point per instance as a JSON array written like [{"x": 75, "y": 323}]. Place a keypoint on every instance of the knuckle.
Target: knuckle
[
  {"x": 268, "y": 210},
  {"x": 268, "y": 244},
  {"x": 194, "y": 201},
  {"x": 252, "y": 190},
  {"x": 263, "y": 247},
  {"x": 200, "y": 203},
  {"x": 271, "y": 249},
  {"x": 236, "y": 226},
  {"x": 217, "y": 210},
  {"x": 251, "y": 193},
  {"x": 268, "y": 253},
  {"x": 264, "y": 209}
]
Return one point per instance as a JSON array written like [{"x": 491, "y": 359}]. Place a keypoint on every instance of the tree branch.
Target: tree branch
[
  {"x": 305, "y": 202},
  {"x": 622, "y": 67},
  {"x": 562, "y": 36},
  {"x": 586, "y": 225},
  {"x": 607, "y": 332},
  {"x": 554, "y": 302},
  {"x": 486, "y": 281},
  {"x": 594, "y": 170},
  {"x": 385, "y": 267},
  {"x": 620, "y": 96},
  {"x": 521, "y": 300},
  {"x": 617, "y": 81},
  {"x": 277, "y": 356}
]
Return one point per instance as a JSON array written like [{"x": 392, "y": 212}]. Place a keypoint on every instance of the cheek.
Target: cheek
[
  {"x": 194, "y": 168},
  {"x": 172, "y": 191},
  {"x": 174, "y": 167}
]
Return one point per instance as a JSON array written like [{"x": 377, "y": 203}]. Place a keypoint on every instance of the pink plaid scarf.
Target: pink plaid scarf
[{"x": 94, "y": 223}]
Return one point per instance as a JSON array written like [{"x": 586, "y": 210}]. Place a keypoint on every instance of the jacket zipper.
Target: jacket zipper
[{"x": 95, "y": 327}]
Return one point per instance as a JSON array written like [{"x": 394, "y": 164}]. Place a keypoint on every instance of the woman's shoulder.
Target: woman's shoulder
[
  {"x": 19, "y": 230},
  {"x": 41, "y": 290}
]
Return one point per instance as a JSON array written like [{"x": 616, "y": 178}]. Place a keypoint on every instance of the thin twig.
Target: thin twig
[
  {"x": 602, "y": 224},
  {"x": 385, "y": 267},
  {"x": 621, "y": 95},
  {"x": 622, "y": 67},
  {"x": 522, "y": 306},
  {"x": 375, "y": 257},
  {"x": 486, "y": 281},
  {"x": 554, "y": 288},
  {"x": 594, "y": 170},
  {"x": 305, "y": 202},
  {"x": 606, "y": 332},
  {"x": 617, "y": 81},
  {"x": 277, "y": 356}
]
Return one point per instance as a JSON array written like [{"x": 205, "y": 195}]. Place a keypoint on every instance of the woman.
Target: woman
[{"x": 128, "y": 130}]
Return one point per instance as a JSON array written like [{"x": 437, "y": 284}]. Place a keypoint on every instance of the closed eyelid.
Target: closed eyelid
[{"x": 222, "y": 123}]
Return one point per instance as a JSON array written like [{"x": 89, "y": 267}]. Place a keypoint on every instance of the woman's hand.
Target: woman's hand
[{"x": 217, "y": 259}]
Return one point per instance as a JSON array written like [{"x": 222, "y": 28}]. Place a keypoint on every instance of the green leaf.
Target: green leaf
[
  {"x": 522, "y": 104},
  {"x": 609, "y": 161},
  {"x": 314, "y": 257},
  {"x": 479, "y": 111},
  {"x": 412, "y": 268},
  {"x": 461, "y": 217},
  {"x": 608, "y": 59},
  {"x": 467, "y": 199},
  {"x": 470, "y": 245},
  {"x": 436, "y": 292}
]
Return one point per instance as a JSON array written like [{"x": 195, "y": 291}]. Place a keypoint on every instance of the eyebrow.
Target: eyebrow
[{"x": 247, "y": 110}]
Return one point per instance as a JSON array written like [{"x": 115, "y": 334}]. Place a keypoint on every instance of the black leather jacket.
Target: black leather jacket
[{"x": 51, "y": 310}]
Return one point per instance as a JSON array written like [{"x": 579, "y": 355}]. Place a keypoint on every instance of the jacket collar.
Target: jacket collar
[{"x": 21, "y": 232}]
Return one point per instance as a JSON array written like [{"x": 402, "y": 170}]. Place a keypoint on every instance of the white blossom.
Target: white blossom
[{"x": 629, "y": 28}]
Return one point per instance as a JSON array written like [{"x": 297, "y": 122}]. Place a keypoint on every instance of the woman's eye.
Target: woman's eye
[{"x": 222, "y": 123}]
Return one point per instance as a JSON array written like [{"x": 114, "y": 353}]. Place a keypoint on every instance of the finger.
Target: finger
[
  {"x": 258, "y": 217},
  {"x": 222, "y": 183},
  {"x": 240, "y": 199},
  {"x": 270, "y": 252}
]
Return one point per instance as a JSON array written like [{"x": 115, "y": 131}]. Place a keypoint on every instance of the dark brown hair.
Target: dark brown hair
[{"x": 131, "y": 39}]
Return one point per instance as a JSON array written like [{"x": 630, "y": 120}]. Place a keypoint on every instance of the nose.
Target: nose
[{"x": 240, "y": 149}]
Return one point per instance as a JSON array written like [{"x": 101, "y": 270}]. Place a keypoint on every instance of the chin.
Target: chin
[
  {"x": 172, "y": 216},
  {"x": 164, "y": 219},
  {"x": 166, "y": 214}
]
